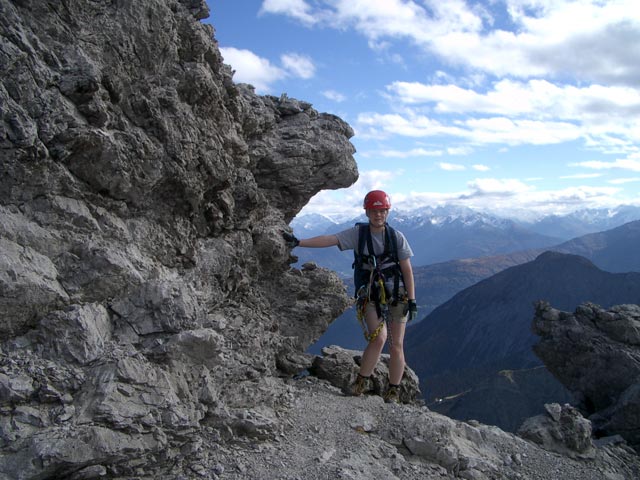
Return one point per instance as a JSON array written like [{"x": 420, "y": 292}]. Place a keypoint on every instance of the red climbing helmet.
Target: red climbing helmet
[{"x": 377, "y": 200}]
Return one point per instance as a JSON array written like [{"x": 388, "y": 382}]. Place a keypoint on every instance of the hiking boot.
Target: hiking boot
[
  {"x": 360, "y": 386},
  {"x": 392, "y": 395}
]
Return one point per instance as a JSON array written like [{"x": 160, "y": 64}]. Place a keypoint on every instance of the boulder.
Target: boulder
[
  {"x": 562, "y": 430},
  {"x": 595, "y": 353},
  {"x": 340, "y": 367}
]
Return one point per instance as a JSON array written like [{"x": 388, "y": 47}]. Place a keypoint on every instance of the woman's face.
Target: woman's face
[{"x": 377, "y": 217}]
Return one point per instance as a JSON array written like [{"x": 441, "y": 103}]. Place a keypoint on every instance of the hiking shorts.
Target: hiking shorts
[{"x": 398, "y": 312}]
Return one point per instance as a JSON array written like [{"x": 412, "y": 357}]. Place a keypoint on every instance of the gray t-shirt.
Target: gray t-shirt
[{"x": 348, "y": 240}]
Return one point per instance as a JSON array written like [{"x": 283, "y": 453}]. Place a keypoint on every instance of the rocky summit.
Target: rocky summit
[{"x": 150, "y": 324}]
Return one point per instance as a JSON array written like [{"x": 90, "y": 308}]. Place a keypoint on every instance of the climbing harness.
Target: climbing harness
[
  {"x": 363, "y": 299},
  {"x": 370, "y": 282}
]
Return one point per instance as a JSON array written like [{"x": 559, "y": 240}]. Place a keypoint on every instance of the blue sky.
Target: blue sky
[{"x": 516, "y": 107}]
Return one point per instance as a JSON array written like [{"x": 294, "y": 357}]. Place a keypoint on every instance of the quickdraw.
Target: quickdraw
[{"x": 382, "y": 306}]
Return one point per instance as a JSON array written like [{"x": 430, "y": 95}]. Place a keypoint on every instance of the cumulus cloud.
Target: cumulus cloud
[
  {"x": 481, "y": 168},
  {"x": 298, "y": 9},
  {"x": 461, "y": 150},
  {"x": 298, "y": 65},
  {"x": 578, "y": 38},
  {"x": 261, "y": 73},
  {"x": 510, "y": 97},
  {"x": 451, "y": 167},
  {"x": 414, "y": 152},
  {"x": 507, "y": 197},
  {"x": 621, "y": 163},
  {"x": 493, "y": 130},
  {"x": 250, "y": 68},
  {"x": 621, "y": 181},
  {"x": 345, "y": 204},
  {"x": 600, "y": 115},
  {"x": 495, "y": 186},
  {"x": 382, "y": 125},
  {"x": 335, "y": 96},
  {"x": 581, "y": 175}
]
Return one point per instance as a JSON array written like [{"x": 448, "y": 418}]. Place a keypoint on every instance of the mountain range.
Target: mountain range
[
  {"x": 613, "y": 251},
  {"x": 486, "y": 328},
  {"x": 445, "y": 233}
]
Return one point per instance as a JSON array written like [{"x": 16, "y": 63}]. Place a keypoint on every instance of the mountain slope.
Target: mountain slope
[
  {"x": 613, "y": 250},
  {"x": 584, "y": 222},
  {"x": 486, "y": 327}
]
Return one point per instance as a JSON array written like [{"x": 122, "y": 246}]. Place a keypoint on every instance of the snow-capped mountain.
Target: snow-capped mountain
[
  {"x": 443, "y": 233},
  {"x": 312, "y": 225},
  {"x": 583, "y": 222},
  {"x": 435, "y": 234}
]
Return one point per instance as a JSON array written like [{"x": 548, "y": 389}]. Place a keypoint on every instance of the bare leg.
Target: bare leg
[
  {"x": 396, "y": 362},
  {"x": 373, "y": 350}
]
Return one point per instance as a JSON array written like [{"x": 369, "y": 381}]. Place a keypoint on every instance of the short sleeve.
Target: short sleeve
[{"x": 348, "y": 239}]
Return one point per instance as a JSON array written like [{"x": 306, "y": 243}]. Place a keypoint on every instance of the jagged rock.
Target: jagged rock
[
  {"x": 595, "y": 353},
  {"x": 151, "y": 326},
  {"x": 340, "y": 367},
  {"x": 563, "y": 430},
  {"x": 144, "y": 284}
]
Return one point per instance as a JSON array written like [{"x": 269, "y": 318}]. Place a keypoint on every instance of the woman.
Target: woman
[{"x": 379, "y": 283}]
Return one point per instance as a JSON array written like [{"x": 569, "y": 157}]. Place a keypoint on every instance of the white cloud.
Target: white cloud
[
  {"x": 261, "y": 73},
  {"x": 380, "y": 125},
  {"x": 581, "y": 176},
  {"x": 534, "y": 97},
  {"x": 451, "y": 167},
  {"x": 345, "y": 204},
  {"x": 623, "y": 163},
  {"x": 495, "y": 186},
  {"x": 502, "y": 130},
  {"x": 335, "y": 96},
  {"x": 250, "y": 68},
  {"x": 412, "y": 153},
  {"x": 620, "y": 181},
  {"x": 580, "y": 38},
  {"x": 507, "y": 197},
  {"x": 481, "y": 168},
  {"x": 575, "y": 38},
  {"x": 493, "y": 130},
  {"x": 298, "y": 65},
  {"x": 297, "y": 9},
  {"x": 512, "y": 197},
  {"x": 604, "y": 117},
  {"x": 515, "y": 198},
  {"x": 463, "y": 150}
]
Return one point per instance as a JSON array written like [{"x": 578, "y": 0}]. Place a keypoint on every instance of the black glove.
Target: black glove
[
  {"x": 290, "y": 239},
  {"x": 412, "y": 308}
]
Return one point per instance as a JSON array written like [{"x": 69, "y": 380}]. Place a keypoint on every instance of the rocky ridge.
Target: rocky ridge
[
  {"x": 595, "y": 353},
  {"x": 151, "y": 324}
]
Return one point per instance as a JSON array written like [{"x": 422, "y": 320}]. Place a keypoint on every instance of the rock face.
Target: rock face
[
  {"x": 595, "y": 353},
  {"x": 144, "y": 284},
  {"x": 150, "y": 324}
]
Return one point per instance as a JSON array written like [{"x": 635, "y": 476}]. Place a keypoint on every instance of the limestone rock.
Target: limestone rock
[
  {"x": 340, "y": 367},
  {"x": 142, "y": 198},
  {"x": 596, "y": 355},
  {"x": 563, "y": 430}
]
